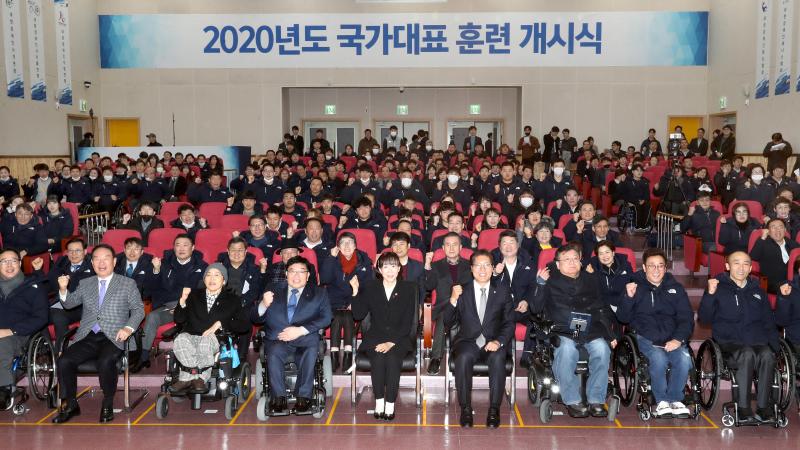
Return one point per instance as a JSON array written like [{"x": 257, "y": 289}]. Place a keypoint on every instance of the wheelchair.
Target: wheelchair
[
  {"x": 323, "y": 383},
  {"x": 226, "y": 383},
  {"x": 38, "y": 363},
  {"x": 631, "y": 377},
  {"x": 543, "y": 388},
  {"x": 713, "y": 366}
]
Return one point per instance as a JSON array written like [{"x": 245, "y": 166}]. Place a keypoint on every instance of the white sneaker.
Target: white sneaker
[
  {"x": 679, "y": 410},
  {"x": 663, "y": 410}
]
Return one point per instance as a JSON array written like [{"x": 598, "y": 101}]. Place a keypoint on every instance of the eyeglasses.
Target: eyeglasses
[
  {"x": 257, "y": 225},
  {"x": 655, "y": 266},
  {"x": 570, "y": 260},
  {"x": 9, "y": 262},
  {"x": 75, "y": 251},
  {"x": 482, "y": 266},
  {"x": 296, "y": 272}
]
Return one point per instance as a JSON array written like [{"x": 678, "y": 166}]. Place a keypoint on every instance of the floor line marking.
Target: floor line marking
[
  {"x": 424, "y": 412},
  {"x": 242, "y": 406},
  {"x": 709, "y": 420},
  {"x": 40, "y": 421},
  {"x": 519, "y": 416},
  {"x": 141, "y": 416},
  {"x": 333, "y": 408}
]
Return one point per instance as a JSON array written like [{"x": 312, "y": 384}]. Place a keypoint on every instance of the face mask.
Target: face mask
[
  {"x": 452, "y": 179},
  {"x": 558, "y": 171},
  {"x": 76, "y": 178},
  {"x": 44, "y": 178},
  {"x": 526, "y": 202},
  {"x": 92, "y": 177},
  {"x": 108, "y": 178},
  {"x": 4, "y": 179},
  {"x": 757, "y": 177},
  {"x": 428, "y": 147},
  {"x": 201, "y": 164},
  {"x": 406, "y": 182},
  {"x": 365, "y": 180},
  {"x": 160, "y": 169},
  {"x": 375, "y": 151},
  {"x": 268, "y": 180},
  {"x": 393, "y": 133},
  {"x": 328, "y": 157},
  {"x": 368, "y": 157}
]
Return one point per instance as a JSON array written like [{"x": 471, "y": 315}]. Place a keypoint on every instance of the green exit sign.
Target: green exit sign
[
  {"x": 474, "y": 109},
  {"x": 330, "y": 110},
  {"x": 402, "y": 110}
]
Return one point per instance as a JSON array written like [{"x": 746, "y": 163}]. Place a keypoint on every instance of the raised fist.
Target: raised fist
[
  {"x": 455, "y": 293},
  {"x": 230, "y": 201},
  {"x": 713, "y": 283},
  {"x": 786, "y": 289},
  {"x": 267, "y": 298},
  {"x": 37, "y": 263},
  {"x": 354, "y": 285},
  {"x": 428, "y": 259},
  {"x": 156, "y": 263},
  {"x": 126, "y": 218},
  {"x": 63, "y": 282},
  {"x": 631, "y": 289}
]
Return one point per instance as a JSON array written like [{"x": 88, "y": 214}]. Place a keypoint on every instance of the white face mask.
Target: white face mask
[
  {"x": 558, "y": 171},
  {"x": 375, "y": 151},
  {"x": 108, "y": 178},
  {"x": 757, "y": 177},
  {"x": 406, "y": 182},
  {"x": 160, "y": 169},
  {"x": 452, "y": 179},
  {"x": 92, "y": 177},
  {"x": 368, "y": 157},
  {"x": 428, "y": 147},
  {"x": 4, "y": 179},
  {"x": 365, "y": 180},
  {"x": 328, "y": 157},
  {"x": 268, "y": 180},
  {"x": 201, "y": 164},
  {"x": 393, "y": 134},
  {"x": 526, "y": 202},
  {"x": 76, "y": 178}
]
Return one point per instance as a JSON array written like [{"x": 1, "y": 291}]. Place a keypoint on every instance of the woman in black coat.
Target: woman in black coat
[
  {"x": 57, "y": 222},
  {"x": 392, "y": 307},
  {"x": 201, "y": 313},
  {"x": 734, "y": 233}
]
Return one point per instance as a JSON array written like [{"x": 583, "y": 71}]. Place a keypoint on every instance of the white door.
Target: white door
[{"x": 338, "y": 134}]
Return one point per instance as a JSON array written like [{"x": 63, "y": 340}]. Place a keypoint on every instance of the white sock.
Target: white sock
[
  {"x": 348, "y": 348},
  {"x": 379, "y": 405},
  {"x": 334, "y": 349},
  {"x": 389, "y": 408}
]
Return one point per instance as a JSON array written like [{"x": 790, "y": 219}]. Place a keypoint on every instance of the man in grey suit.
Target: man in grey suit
[{"x": 112, "y": 310}]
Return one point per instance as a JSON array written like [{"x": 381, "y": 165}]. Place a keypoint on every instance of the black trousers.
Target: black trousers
[
  {"x": 243, "y": 344},
  {"x": 385, "y": 372},
  {"x": 758, "y": 359},
  {"x": 342, "y": 320},
  {"x": 465, "y": 355},
  {"x": 95, "y": 346},
  {"x": 61, "y": 319},
  {"x": 437, "y": 346}
]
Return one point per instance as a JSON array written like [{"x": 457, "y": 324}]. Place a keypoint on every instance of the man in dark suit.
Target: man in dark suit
[
  {"x": 769, "y": 251},
  {"x": 440, "y": 277},
  {"x": 134, "y": 263},
  {"x": 112, "y": 310},
  {"x": 176, "y": 185},
  {"x": 145, "y": 222},
  {"x": 292, "y": 319},
  {"x": 599, "y": 231},
  {"x": 699, "y": 145},
  {"x": 471, "y": 141},
  {"x": 484, "y": 314}
]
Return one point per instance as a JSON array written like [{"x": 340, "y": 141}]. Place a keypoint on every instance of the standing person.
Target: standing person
[
  {"x": 528, "y": 146},
  {"x": 483, "y": 312},
  {"x": 391, "y": 304},
  {"x": 102, "y": 333},
  {"x": 777, "y": 151},
  {"x": 297, "y": 138},
  {"x": 743, "y": 325},
  {"x": 152, "y": 141},
  {"x": 699, "y": 145},
  {"x": 724, "y": 145},
  {"x": 552, "y": 145},
  {"x": 366, "y": 144}
]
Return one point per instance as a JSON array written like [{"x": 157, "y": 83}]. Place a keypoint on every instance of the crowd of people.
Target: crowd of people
[{"x": 380, "y": 228}]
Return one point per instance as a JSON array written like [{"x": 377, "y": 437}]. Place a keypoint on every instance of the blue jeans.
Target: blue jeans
[
  {"x": 666, "y": 389},
  {"x": 566, "y": 358}
]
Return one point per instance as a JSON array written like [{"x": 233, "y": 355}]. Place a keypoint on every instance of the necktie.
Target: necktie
[
  {"x": 102, "y": 294},
  {"x": 481, "y": 341},
  {"x": 292, "y": 304},
  {"x": 75, "y": 267},
  {"x": 129, "y": 271}
]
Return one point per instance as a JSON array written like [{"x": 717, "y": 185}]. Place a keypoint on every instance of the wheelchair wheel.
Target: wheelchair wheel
[
  {"x": 625, "y": 370},
  {"x": 327, "y": 372},
  {"x": 258, "y": 381},
  {"x": 545, "y": 411},
  {"x": 320, "y": 398},
  {"x": 709, "y": 372},
  {"x": 645, "y": 415},
  {"x": 785, "y": 375},
  {"x": 41, "y": 367},
  {"x": 261, "y": 408},
  {"x": 534, "y": 386},
  {"x": 19, "y": 409},
  {"x": 230, "y": 406},
  {"x": 244, "y": 381},
  {"x": 162, "y": 406}
]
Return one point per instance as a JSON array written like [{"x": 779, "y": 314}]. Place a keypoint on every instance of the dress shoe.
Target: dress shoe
[
  {"x": 302, "y": 405},
  {"x": 279, "y": 407},
  {"x": 387, "y": 417},
  {"x": 180, "y": 387},
  {"x": 578, "y": 411},
  {"x": 377, "y": 415},
  {"x": 335, "y": 361},
  {"x": 765, "y": 414},
  {"x": 433, "y": 366},
  {"x": 106, "y": 414},
  {"x": 198, "y": 386},
  {"x": 67, "y": 412},
  {"x": 746, "y": 417},
  {"x": 597, "y": 410},
  {"x": 145, "y": 363},
  {"x": 347, "y": 360},
  {"x": 526, "y": 360},
  {"x": 466, "y": 417},
  {"x": 493, "y": 418}
]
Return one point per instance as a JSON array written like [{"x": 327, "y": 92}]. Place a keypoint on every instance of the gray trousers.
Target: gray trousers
[
  {"x": 195, "y": 351},
  {"x": 157, "y": 317},
  {"x": 10, "y": 347}
]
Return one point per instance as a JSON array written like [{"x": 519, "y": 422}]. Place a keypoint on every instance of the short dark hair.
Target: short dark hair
[
  {"x": 133, "y": 240},
  {"x": 653, "y": 252},
  {"x": 479, "y": 253},
  {"x": 605, "y": 243},
  {"x": 399, "y": 236},
  {"x": 185, "y": 207},
  {"x": 183, "y": 236},
  {"x": 79, "y": 240},
  {"x": 103, "y": 246},
  {"x": 505, "y": 234},
  {"x": 237, "y": 240},
  {"x": 299, "y": 260},
  {"x": 569, "y": 247}
]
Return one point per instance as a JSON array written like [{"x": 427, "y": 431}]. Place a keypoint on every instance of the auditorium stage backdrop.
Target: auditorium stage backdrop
[
  {"x": 234, "y": 158},
  {"x": 474, "y": 39}
]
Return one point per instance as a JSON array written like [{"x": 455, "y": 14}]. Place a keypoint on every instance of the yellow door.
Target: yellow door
[
  {"x": 122, "y": 132},
  {"x": 690, "y": 125}
]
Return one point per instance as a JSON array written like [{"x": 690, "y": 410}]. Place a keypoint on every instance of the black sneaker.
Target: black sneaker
[
  {"x": 526, "y": 360},
  {"x": 765, "y": 414},
  {"x": 433, "y": 366}
]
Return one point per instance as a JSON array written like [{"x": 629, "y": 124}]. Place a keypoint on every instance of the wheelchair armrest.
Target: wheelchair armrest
[
  {"x": 67, "y": 337},
  {"x": 170, "y": 333},
  {"x": 427, "y": 324}
]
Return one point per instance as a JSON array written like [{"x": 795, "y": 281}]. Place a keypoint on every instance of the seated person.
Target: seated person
[
  {"x": 364, "y": 219},
  {"x": 484, "y": 336},
  {"x": 78, "y": 265},
  {"x": 23, "y": 233},
  {"x": 248, "y": 205},
  {"x": 293, "y": 317},
  {"x": 275, "y": 275},
  {"x": 614, "y": 270},
  {"x": 23, "y": 312},
  {"x": 455, "y": 224},
  {"x": 275, "y": 223},
  {"x": 244, "y": 280},
  {"x": 538, "y": 238},
  {"x": 210, "y": 192},
  {"x": 735, "y": 234},
  {"x": 188, "y": 221},
  {"x": 391, "y": 333},
  {"x": 257, "y": 236},
  {"x": 290, "y": 207},
  {"x": 701, "y": 221},
  {"x": 787, "y": 309},
  {"x": 145, "y": 222},
  {"x": 561, "y": 294},
  {"x": 108, "y": 192},
  {"x": 102, "y": 333},
  {"x": 600, "y": 231},
  {"x": 201, "y": 313},
  {"x": 782, "y": 209},
  {"x": 755, "y": 188},
  {"x": 57, "y": 222},
  {"x": 314, "y": 236},
  {"x": 585, "y": 215},
  {"x": 134, "y": 263},
  {"x": 772, "y": 253},
  {"x": 182, "y": 267},
  {"x": 745, "y": 331},
  {"x": 657, "y": 309}
]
